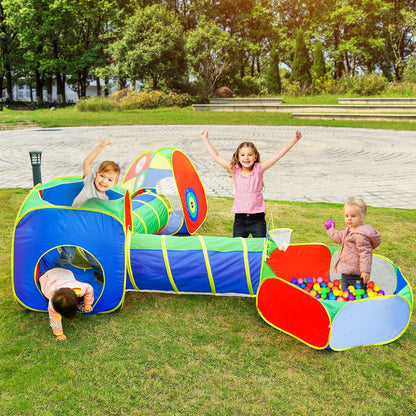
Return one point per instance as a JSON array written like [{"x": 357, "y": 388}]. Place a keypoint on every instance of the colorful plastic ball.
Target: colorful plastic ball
[
  {"x": 294, "y": 280},
  {"x": 309, "y": 279},
  {"x": 329, "y": 224},
  {"x": 331, "y": 296},
  {"x": 319, "y": 279},
  {"x": 351, "y": 297},
  {"x": 381, "y": 292},
  {"x": 303, "y": 285},
  {"x": 317, "y": 286},
  {"x": 330, "y": 285},
  {"x": 323, "y": 284},
  {"x": 300, "y": 281},
  {"x": 376, "y": 288},
  {"x": 358, "y": 286},
  {"x": 313, "y": 292},
  {"x": 345, "y": 294},
  {"x": 370, "y": 284},
  {"x": 336, "y": 282}
]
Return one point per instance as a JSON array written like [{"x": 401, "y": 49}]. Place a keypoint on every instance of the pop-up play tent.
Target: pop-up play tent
[{"x": 130, "y": 237}]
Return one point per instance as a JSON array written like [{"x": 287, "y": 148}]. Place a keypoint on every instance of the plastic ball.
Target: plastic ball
[
  {"x": 294, "y": 280},
  {"x": 313, "y": 292},
  {"x": 330, "y": 285},
  {"x": 331, "y": 296},
  {"x": 370, "y": 284},
  {"x": 336, "y": 282},
  {"x": 351, "y": 297},
  {"x": 300, "y": 281},
  {"x": 329, "y": 224},
  {"x": 376, "y": 288},
  {"x": 381, "y": 292},
  {"x": 309, "y": 279},
  {"x": 319, "y": 279}
]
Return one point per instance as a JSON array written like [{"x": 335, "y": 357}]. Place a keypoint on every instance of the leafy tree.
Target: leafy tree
[
  {"x": 409, "y": 73},
  {"x": 273, "y": 80},
  {"x": 11, "y": 60},
  {"x": 301, "y": 63},
  {"x": 152, "y": 46},
  {"x": 212, "y": 54},
  {"x": 318, "y": 66}
]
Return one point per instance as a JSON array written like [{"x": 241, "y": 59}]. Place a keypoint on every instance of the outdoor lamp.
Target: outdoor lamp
[{"x": 35, "y": 158}]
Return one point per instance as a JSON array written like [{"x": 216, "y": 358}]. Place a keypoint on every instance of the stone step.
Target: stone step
[
  {"x": 246, "y": 100},
  {"x": 377, "y": 101},
  {"x": 289, "y": 108},
  {"x": 355, "y": 116}
]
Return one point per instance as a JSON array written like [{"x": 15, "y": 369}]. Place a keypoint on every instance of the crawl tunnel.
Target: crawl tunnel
[
  {"x": 196, "y": 264},
  {"x": 46, "y": 221},
  {"x": 322, "y": 323}
]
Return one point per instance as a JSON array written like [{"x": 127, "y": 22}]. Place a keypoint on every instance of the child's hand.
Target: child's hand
[
  {"x": 88, "y": 308},
  {"x": 204, "y": 134},
  {"x": 104, "y": 143},
  {"x": 61, "y": 337},
  {"x": 298, "y": 135},
  {"x": 329, "y": 224},
  {"x": 365, "y": 276}
]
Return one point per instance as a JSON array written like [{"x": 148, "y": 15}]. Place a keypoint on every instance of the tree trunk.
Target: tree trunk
[
  {"x": 97, "y": 80},
  {"x": 49, "y": 98},
  {"x": 39, "y": 87},
  {"x": 9, "y": 84}
]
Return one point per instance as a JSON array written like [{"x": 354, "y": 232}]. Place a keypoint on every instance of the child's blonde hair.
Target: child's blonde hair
[
  {"x": 109, "y": 165},
  {"x": 234, "y": 160},
  {"x": 357, "y": 202}
]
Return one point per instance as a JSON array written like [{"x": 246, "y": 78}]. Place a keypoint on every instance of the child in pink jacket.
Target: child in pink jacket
[
  {"x": 358, "y": 240},
  {"x": 63, "y": 292}
]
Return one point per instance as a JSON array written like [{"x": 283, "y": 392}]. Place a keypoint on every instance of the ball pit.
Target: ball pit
[{"x": 324, "y": 288}]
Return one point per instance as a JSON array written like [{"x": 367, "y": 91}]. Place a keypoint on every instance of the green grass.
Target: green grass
[
  {"x": 68, "y": 117},
  {"x": 202, "y": 355}
]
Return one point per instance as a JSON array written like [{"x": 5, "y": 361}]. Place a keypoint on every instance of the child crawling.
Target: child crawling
[{"x": 64, "y": 292}]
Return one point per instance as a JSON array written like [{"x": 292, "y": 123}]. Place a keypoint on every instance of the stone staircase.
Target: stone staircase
[{"x": 388, "y": 109}]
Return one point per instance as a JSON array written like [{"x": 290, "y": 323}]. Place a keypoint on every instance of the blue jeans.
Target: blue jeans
[
  {"x": 352, "y": 280},
  {"x": 67, "y": 256},
  {"x": 246, "y": 224}
]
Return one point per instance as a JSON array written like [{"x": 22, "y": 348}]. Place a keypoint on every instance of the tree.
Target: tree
[
  {"x": 273, "y": 80},
  {"x": 152, "y": 46},
  {"x": 318, "y": 66},
  {"x": 212, "y": 54},
  {"x": 301, "y": 63}
]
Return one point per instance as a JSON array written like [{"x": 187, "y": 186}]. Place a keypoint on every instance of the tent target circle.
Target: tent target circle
[{"x": 192, "y": 204}]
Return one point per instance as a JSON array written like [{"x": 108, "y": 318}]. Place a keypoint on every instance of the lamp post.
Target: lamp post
[{"x": 35, "y": 158}]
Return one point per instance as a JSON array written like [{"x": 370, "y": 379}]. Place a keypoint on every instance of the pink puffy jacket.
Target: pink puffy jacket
[{"x": 356, "y": 253}]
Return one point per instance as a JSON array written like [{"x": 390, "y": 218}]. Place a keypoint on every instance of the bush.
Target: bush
[
  {"x": 295, "y": 89},
  {"x": 131, "y": 100},
  {"x": 366, "y": 85},
  {"x": 96, "y": 104},
  {"x": 224, "y": 92}
]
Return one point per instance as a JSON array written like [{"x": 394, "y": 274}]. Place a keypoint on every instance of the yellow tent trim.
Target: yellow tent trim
[
  {"x": 209, "y": 271},
  {"x": 168, "y": 270},
  {"x": 247, "y": 266}
]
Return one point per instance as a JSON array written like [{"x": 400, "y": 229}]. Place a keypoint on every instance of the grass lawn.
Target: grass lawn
[
  {"x": 202, "y": 355},
  {"x": 67, "y": 117}
]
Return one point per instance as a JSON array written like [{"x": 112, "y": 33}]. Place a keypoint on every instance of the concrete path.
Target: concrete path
[{"x": 327, "y": 165}]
